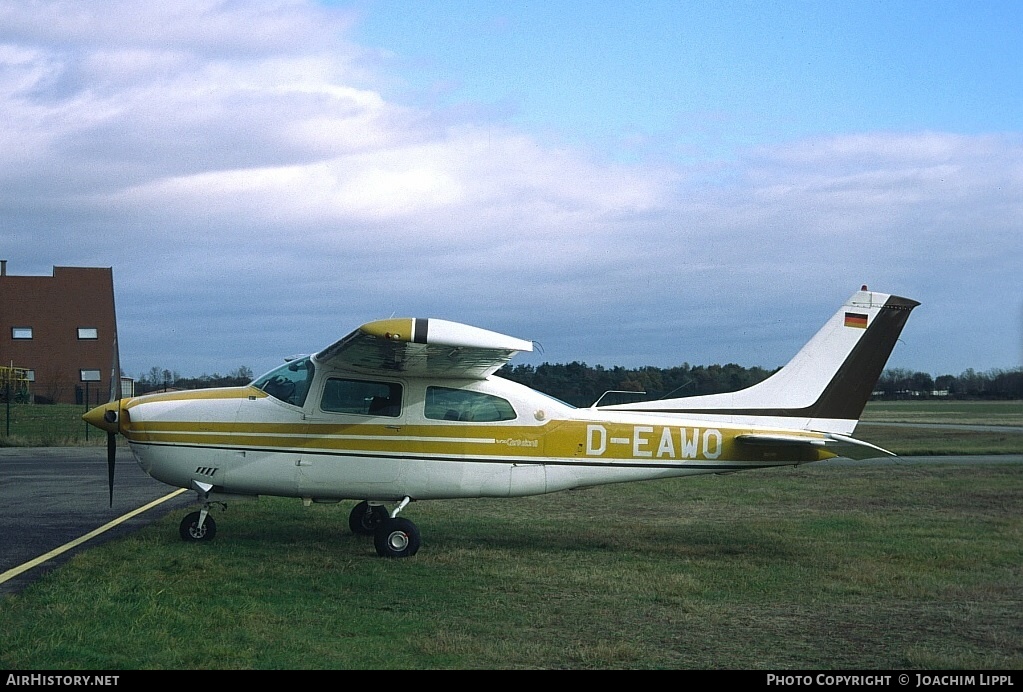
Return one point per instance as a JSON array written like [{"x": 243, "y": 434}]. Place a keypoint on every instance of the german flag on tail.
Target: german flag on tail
[{"x": 856, "y": 320}]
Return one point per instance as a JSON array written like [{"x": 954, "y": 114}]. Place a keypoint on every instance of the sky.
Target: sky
[{"x": 630, "y": 184}]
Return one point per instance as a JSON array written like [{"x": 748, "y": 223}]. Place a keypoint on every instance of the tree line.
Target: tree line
[
  {"x": 898, "y": 383},
  {"x": 580, "y": 384},
  {"x": 159, "y": 379}
]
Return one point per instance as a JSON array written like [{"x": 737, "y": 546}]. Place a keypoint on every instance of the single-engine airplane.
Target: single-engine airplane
[{"x": 402, "y": 410}]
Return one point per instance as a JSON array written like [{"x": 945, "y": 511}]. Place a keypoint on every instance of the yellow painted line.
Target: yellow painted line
[{"x": 15, "y": 571}]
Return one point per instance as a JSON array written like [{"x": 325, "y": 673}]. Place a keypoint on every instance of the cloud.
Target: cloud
[{"x": 258, "y": 195}]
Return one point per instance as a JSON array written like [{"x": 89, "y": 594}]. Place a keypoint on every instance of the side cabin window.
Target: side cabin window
[
  {"x": 289, "y": 383},
  {"x": 444, "y": 403},
  {"x": 361, "y": 397}
]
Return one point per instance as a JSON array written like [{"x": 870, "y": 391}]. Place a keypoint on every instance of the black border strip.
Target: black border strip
[{"x": 420, "y": 329}]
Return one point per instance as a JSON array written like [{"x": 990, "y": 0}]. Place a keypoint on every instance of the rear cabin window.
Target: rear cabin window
[
  {"x": 361, "y": 397},
  {"x": 443, "y": 403}
]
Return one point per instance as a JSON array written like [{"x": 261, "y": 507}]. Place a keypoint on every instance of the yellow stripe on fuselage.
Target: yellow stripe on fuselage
[
  {"x": 568, "y": 440},
  {"x": 246, "y": 392},
  {"x": 343, "y": 438}
]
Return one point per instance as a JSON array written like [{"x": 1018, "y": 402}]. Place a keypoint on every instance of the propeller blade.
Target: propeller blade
[
  {"x": 115, "y": 371},
  {"x": 111, "y": 453},
  {"x": 115, "y": 395}
]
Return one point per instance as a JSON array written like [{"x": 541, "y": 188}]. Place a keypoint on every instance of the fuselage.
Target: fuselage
[{"x": 327, "y": 435}]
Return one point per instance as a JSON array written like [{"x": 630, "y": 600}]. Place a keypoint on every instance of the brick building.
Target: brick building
[{"x": 62, "y": 330}]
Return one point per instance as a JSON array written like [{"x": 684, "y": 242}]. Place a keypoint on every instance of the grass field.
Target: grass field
[
  {"x": 945, "y": 412},
  {"x": 868, "y": 567},
  {"x": 916, "y": 435}
]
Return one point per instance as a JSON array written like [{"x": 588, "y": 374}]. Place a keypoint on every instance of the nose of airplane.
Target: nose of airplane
[
  {"x": 104, "y": 417},
  {"x": 108, "y": 417}
]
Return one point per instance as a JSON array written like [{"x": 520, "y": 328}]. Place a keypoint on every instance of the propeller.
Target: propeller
[
  {"x": 107, "y": 417},
  {"x": 111, "y": 454},
  {"x": 115, "y": 395}
]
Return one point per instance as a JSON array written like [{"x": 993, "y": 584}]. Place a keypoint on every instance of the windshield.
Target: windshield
[{"x": 289, "y": 383}]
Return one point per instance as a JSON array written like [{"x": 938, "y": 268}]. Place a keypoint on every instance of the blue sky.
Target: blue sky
[
  {"x": 629, "y": 184},
  {"x": 738, "y": 72}
]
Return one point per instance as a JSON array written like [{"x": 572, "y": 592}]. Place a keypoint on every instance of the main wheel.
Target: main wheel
[
  {"x": 396, "y": 538},
  {"x": 190, "y": 531},
  {"x": 365, "y": 518}
]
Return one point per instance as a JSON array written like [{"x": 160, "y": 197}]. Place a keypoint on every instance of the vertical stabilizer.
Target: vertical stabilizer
[{"x": 825, "y": 386}]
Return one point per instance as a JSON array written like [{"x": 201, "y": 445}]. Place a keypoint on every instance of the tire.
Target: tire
[
  {"x": 365, "y": 518},
  {"x": 396, "y": 538},
  {"x": 190, "y": 531}
]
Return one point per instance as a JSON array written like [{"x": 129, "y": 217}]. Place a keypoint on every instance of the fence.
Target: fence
[{"x": 45, "y": 425}]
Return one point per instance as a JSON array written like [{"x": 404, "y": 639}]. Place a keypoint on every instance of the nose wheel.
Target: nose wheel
[{"x": 198, "y": 526}]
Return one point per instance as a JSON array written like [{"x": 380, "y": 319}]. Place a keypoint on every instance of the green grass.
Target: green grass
[
  {"x": 56, "y": 425},
  {"x": 869, "y": 567},
  {"x": 912, "y": 441},
  {"x": 907, "y": 440},
  {"x": 947, "y": 412}
]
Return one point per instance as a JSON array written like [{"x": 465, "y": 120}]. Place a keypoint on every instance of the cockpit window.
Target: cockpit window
[
  {"x": 289, "y": 383},
  {"x": 361, "y": 397}
]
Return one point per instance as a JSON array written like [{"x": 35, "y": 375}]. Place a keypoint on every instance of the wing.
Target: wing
[
  {"x": 840, "y": 445},
  {"x": 422, "y": 347}
]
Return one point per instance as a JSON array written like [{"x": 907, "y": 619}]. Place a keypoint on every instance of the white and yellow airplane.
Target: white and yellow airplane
[{"x": 402, "y": 410}]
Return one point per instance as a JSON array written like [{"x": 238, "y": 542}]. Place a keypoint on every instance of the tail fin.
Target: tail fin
[{"x": 825, "y": 386}]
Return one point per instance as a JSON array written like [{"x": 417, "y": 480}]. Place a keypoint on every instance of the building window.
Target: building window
[
  {"x": 90, "y": 333},
  {"x": 21, "y": 332},
  {"x": 30, "y": 375},
  {"x": 90, "y": 375}
]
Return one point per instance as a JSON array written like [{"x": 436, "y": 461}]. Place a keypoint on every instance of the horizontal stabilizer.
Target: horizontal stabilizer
[
  {"x": 764, "y": 439},
  {"x": 851, "y": 448},
  {"x": 840, "y": 445}
]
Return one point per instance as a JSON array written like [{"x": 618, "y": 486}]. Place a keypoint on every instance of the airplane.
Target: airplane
[{"x": 409, "y": 409}]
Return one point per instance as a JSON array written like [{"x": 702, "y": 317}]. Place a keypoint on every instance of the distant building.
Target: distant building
[{"x": 61, "y": 330}]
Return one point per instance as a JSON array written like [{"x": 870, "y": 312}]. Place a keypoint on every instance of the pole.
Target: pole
[{"x": 7, "y": 388}]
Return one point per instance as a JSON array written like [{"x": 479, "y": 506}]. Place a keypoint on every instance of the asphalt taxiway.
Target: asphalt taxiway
[{"x": 50, "y": 497}]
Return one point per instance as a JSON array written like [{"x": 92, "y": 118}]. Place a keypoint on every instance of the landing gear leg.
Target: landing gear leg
[
  {"x": 198, "y": 526},
  {"x": 395, "y": 536}
]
